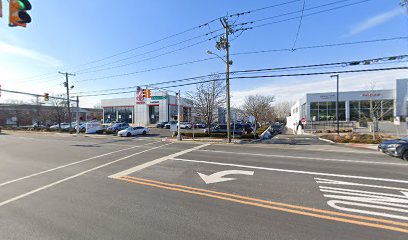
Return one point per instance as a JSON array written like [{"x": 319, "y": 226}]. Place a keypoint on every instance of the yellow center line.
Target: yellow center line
[
  {"x": 260, "y": 203},
  {"x": 273, "y": 203}
]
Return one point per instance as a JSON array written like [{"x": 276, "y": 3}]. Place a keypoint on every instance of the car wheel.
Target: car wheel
[
  {"x": 128, "y": 134},
  {"x": 144, "y": 133},
  {"x": 405, "y": 155}
]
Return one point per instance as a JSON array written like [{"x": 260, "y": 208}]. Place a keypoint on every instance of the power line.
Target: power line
[
  {"x": 164, "y": 38},
  {"x": 305, "y": 15},
  {"x": 148, "y": 70},
  {"x": 262, "y": 76},
  {"x": 300, "y": 24},
  {"x": 308, "y": 67},
  {"x": 246, "y": 53},
  {"x": 150, "y": 58},
  {"x": 294, "y": 12},
  {"x": 151, "y": 51}
]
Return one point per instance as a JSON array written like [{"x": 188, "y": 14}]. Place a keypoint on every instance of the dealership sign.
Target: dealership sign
[{"x": 159, "y": 97}]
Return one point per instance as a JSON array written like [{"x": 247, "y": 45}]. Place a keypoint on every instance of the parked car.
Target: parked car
[
  {"x": 276, "y": 129},
  {"x": 186, "y": 125},
  {"x": 396, "y": 148},
  {"x": 200, "y": 125},
  {"x": 167, "y": 125},
  {"x": 222, "y": 128},
  {"x": 246, "y": 127},
  {"x": 57, "y": 126},
  {"x": 133, "y": 131},
  {"x": 161, "y": 124},
  {"x": 116, "y": 127}
]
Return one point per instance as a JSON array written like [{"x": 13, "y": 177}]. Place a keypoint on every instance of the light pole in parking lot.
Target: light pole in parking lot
[{"x": 337, "y": 103}]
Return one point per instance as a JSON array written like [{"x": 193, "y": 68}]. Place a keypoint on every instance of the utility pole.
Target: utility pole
[
  {"x": 337, "y": 103},
  {"x": 224, "y": 23},
  {"x": 66, "y": 84},
  {"x": 178, "y": 117}
]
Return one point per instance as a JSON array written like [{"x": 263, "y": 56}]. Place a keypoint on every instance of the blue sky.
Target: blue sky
[{"x": 64, "y": 35}]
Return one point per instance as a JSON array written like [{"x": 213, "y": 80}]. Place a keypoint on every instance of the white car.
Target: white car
[
  {"x": 132, "y": 131},
  {"x": 184, "y": 125}
]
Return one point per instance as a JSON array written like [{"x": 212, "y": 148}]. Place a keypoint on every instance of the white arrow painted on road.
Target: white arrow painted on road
[{"x": 219, "y": 176}]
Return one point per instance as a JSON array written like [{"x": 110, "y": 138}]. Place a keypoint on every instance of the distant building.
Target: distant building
[
  {"x": 354, "y": 106},
  {"x": 26, "y": 114},
  {"x": 161, "y": 107}
]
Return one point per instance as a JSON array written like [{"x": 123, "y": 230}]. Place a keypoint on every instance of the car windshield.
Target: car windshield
[{"x": 404, "y": 138}]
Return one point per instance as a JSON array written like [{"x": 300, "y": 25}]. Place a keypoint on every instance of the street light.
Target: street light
[
  {"x": 337, "y": 102},
  {"x": 227, "y": 62}
]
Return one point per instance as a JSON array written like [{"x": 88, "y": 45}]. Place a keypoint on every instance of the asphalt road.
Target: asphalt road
[{"x": 68, "y": 187}]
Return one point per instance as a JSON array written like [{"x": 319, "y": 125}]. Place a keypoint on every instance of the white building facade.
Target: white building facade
[
  {"x": 352, "y": 106},
  {"x": 160, "y": 107}
]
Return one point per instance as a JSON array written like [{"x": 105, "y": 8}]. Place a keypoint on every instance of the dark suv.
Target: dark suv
[
  {"x": 222, "y": 128},
  {"x": 116, "y": 127},
  {"x": 396, "y": 148}
]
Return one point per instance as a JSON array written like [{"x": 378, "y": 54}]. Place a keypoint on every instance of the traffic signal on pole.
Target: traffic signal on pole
[
  {"x": 18, "y": 15},
  {"x": 147, "y": 93},
  {"x": 46, "y": 97}
]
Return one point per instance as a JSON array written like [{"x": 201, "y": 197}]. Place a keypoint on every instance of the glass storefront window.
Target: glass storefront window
[
  {"x": 354, "y": 104},
  {"x": 326, "y": 111}
]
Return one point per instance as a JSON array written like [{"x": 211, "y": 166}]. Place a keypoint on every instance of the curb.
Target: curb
[{"x": 326, "y": 140}]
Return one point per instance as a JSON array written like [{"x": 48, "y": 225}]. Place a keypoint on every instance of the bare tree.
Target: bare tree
[
  {"x": 260, "y": 107},
  {"x": 207, "y": 98},
  {"x": 59, "y": 110},
  {"x": 282, "y": 110}
]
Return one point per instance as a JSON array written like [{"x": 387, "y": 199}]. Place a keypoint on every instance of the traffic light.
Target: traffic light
[
  {"x": 46, "y": 97},
  {"x": 147, "y": 93},
  {"x": 18, "y": 15}
]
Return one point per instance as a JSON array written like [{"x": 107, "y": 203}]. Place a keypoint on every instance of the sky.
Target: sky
[{"x": 99, "y": 39}]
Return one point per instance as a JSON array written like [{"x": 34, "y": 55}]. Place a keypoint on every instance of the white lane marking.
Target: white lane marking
[
  {"x": 154, "y": 162},
  {"x": 334, "y": 204},
  {"x": 70, "y": 164},
  {"x": 311, "y": 158},
  {"x": 345, "y": 150},
  {"x": 365, "y": 202},
  {"x": 219, "y": 176},
  {"x": 294, "y": 171},
  {"x": 349, "y": 191},
  {"x": 76, "y": 175},
  {"x": 338, "y": 182}
]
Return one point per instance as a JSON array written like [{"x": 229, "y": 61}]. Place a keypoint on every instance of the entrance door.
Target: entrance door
[{"x": 153, "y": 114}]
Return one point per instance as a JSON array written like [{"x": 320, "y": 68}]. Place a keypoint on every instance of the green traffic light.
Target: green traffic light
[{"x": 22, "y": 6}]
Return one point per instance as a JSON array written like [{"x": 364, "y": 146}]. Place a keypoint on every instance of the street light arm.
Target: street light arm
[{"x": 211, "y": 53}]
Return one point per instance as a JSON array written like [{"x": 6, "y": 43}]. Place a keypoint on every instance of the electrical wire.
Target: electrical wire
[
  {"x": 301, "y": 67},
  {"x": 154, "y": 57},
  {"x": 247, "y": 53},
  {"x": 262, "y": 76},
  {"x": 300, "y": 24},
  {"x": 161, "y": 39}
]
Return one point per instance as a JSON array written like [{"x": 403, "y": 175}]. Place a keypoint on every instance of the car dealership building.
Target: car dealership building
[
  {"x": 352, "y": 106},
  {"x": 160, "y": 107}
]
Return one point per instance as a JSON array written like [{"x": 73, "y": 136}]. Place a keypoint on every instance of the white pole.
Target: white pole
[
  {"x": 77, "y": 115},
  {"x": 178, "y": 117}
]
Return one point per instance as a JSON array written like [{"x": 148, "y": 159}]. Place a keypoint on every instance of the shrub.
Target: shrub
[{"x": 249, "y": 136}]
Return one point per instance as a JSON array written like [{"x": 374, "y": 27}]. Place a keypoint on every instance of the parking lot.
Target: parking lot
[{"x": 77, "y": 187}]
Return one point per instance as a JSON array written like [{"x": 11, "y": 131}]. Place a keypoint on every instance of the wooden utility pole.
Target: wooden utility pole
[
  {"x": 224, "y": 23},
  {"x": 66, "y": 84}
]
